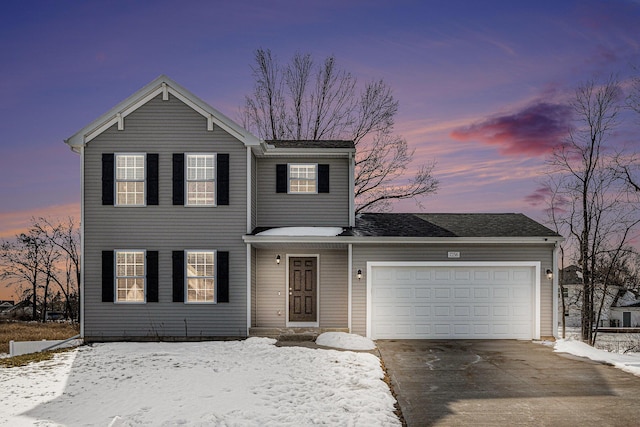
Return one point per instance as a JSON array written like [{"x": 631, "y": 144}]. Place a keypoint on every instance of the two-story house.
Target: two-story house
[{"x": 193, "y": 228}]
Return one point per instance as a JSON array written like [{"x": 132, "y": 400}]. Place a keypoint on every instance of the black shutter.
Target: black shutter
[
  {"x": 178, "y": 179},
  {"x": 107, "y": 178},
  {"x": 222, "y": 276},
  {"x": 323, "y": 178},
  {"x": 152, "y": 276},
  {"x": 152, "y": 179},
  {"x": 281, "y": 178},
  {"x": 107, "y": 276},
  {"x": 222, "y": 178},
  {"x": 178, "y": 276}
]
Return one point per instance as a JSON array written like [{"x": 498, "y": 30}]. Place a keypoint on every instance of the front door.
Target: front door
[
  {"x": 626, "y": 319},
  {"x": 303, "y": 289}
]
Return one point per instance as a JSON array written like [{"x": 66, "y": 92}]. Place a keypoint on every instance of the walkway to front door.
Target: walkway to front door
[{"x": 303, "y": 289}]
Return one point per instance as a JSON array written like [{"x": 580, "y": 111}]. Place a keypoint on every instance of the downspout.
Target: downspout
[
  {"x": 249, "y": 229},
  {"x": 349, "y": 285},
  {"x": 249, "y": 275},
  {"x": 555, "y": 291},
  {"x": 352, "y": 189},
  {"x": 81, "y": 284},
  {"x": 249, "y": 187}
]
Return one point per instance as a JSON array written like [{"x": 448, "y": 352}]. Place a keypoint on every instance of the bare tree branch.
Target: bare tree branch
[{"x": 303, "y": 101}]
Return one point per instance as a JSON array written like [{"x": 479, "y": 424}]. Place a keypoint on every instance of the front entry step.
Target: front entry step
[{"x": 292, "y": 334}]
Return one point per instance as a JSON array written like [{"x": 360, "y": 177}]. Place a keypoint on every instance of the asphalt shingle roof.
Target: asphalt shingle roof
[
  {"x": 449, "y": 225},
  {"x": 310, "y": 144}
]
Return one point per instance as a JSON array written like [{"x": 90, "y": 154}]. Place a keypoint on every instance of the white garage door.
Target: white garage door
[{"x": 445, "y": 302}]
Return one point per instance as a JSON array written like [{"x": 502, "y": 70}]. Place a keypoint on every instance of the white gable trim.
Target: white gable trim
[{"x": 165, "y": 86}]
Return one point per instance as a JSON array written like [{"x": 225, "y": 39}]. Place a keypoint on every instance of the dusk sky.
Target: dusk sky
[{"x": 482, "y": 85}]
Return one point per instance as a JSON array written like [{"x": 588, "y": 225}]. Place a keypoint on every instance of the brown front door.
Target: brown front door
[{"x": 303, "y": 289}]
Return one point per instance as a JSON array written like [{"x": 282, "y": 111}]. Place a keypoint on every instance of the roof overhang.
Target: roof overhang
[
  {"x": 268, "y": 150},
  {"x": 165, "y": 86},
  {"x": 343, "y": 241}
]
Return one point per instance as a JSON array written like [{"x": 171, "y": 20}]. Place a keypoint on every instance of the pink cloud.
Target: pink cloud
[
  {"x": 535, "y": 130},
  {"x": 15, "y": 222}
]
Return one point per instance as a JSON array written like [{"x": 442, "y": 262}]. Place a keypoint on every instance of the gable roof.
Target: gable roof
[
  {"x": 449, "y": 225},
  {"x": 165, "y": 86}
]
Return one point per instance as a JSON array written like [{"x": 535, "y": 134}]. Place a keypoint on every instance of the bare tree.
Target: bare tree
[
  {"x": 46, "y": 254},
  {"x": 305, "y": 101},
  {"x": 21, "y": 262},
  {"x": 66, "y": 238},
  {"x": 599, "y": 215}
]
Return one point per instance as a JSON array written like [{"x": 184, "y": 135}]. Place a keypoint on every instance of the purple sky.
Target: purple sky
[{"x": 482, "y": 85}]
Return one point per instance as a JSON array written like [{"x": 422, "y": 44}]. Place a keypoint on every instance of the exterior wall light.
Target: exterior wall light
[
  {"x": 549, "y": 274},
  {"x": 278, "y": 259},
  {"x": 359, "y": 274}
]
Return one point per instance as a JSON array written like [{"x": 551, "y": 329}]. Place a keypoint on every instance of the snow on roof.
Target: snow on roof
[{"x": 302, "y": 231}]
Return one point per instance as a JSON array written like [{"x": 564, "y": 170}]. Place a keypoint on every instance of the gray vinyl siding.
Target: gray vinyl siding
[
  {"x": 364, "y": 253},
  {"x": 270, "y": 301},
  {"x": 254, "y": 191},
  {"x": 165, "y": 127},
  {"x": 281, "y": 209}
]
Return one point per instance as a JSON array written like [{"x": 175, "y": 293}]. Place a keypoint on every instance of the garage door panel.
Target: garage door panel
[{"x": 450, "y": 302}]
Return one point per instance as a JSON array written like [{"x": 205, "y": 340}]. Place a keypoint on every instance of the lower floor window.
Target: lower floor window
[
  {"x": 200, "y": 276},
  {"x": 130, "y": 276}
]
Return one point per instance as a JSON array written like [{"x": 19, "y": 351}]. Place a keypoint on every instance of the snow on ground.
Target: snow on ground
[
  {"x": 302, "y": 231},
  {"x": 231, "y": 383},
  {"x": 345, "y": 340},
  {"x": 627, "y": 362}
]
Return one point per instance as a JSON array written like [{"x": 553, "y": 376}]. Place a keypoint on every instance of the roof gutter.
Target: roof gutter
[{"x": 399, "y": 240}]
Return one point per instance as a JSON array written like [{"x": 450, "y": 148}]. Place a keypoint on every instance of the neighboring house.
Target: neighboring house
[
  {"x": 193, "y": 228},
  {"x": 572, "y": 287},
  {"x": 625, "y": 313},
  {"x": 5, "y": 305}
]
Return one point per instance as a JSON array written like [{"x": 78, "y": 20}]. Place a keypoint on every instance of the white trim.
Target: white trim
[
  {"x": 186, "y": 179},
  {"x": 399, "y": 240},
  {"x": 249, "y": 271},
  {"x": 352, "y": 190},
  {"x": 349, "y": 286},
  {"x": 161, "y": 85},
  {"x": 185, "y": 284},
  {"x": 115, "y": 276},
  {"x": 533, "y": 264},
  {"x": 249, "y": 188},
  {"x": 115, "y": 179},
  {"x": 81, "y": 284},
  {"x": 315, "y": 166},
  {"x": 554, "y": 269},
  {"x": 303, "y": 324}
]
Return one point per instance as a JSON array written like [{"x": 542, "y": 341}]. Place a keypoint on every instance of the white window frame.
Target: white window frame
[
  {"x": 187, "y": 276},
  {"x": 116, "y": 180},
  {"x": 212, "y": 180},
  {"x": 290, "y": 178},
  {"x": 116, "y": 276}
]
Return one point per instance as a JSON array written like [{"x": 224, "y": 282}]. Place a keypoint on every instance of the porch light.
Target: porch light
[
  {"x": 277, "y": 259},
  {"x": 359, "y": 274},
  {"x": 549, "y": 274}
]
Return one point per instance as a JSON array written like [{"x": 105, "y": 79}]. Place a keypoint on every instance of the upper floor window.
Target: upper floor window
[
  {"x": 200, "y": 276},
  {"x": 130, "y": 179},
  {"x": 130, "y": 276},
  {"x": 303, "y": 178},
  {"x": 201, "y": 179}
]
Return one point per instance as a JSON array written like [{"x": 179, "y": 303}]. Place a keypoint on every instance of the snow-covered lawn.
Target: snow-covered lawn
[
  {"x": 232, "y": 383},
  {"x": 627, "y": 362}
]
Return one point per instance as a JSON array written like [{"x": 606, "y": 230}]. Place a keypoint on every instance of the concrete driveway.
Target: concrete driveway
[{"x": 503, "y": 382}]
